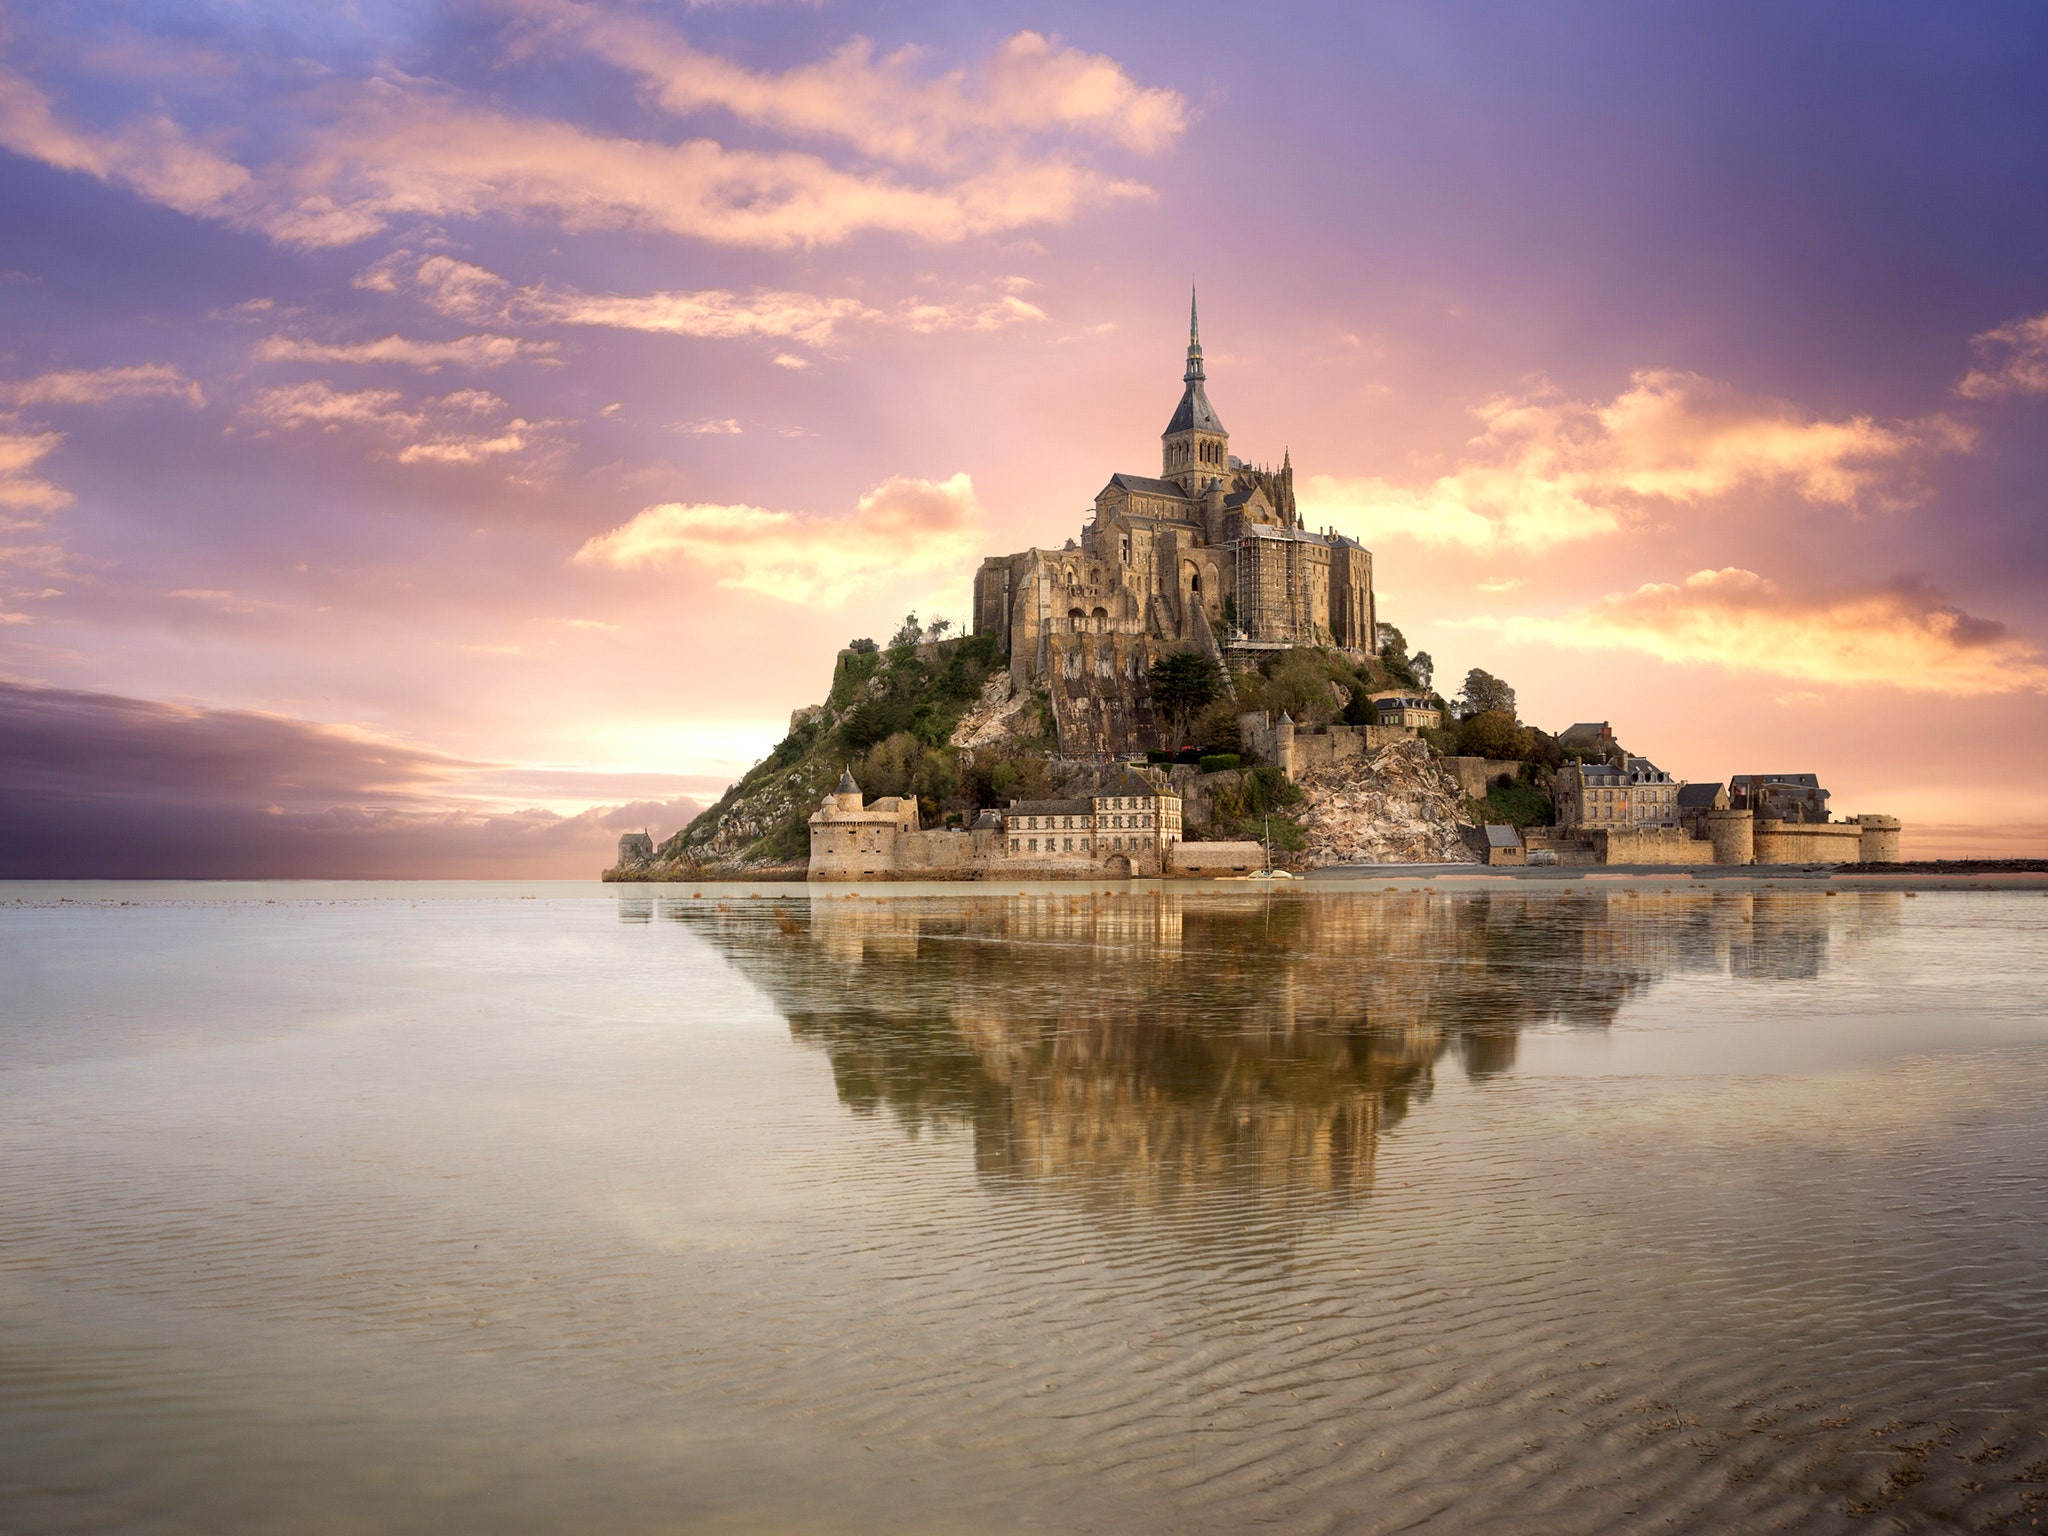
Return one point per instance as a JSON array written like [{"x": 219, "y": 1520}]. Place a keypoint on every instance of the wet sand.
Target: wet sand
[{"x": 1607, "y": 1206}]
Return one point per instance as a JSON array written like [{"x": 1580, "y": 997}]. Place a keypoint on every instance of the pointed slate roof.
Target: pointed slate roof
[
  {"x": 1194, "y": 412},
  {"x": 846, "y": 784}
]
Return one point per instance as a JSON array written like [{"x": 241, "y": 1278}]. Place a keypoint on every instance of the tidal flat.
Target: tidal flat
[{"x": 1525, "y": 1208}]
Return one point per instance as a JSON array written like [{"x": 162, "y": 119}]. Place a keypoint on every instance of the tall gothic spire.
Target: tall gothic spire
[{"x": 1194, "y": 342}]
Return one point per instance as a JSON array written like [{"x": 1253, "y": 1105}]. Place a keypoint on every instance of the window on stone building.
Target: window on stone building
[{"x": 1034, "y": 845}]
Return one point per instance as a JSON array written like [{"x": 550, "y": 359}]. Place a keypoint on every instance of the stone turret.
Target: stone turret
[
  {"x": 1880, "y": 841},
  {"x": 1212, "y": 510},
  {"x": 1733, "y": 834},
  {"x": 1283, "y": 744},
  {"x": 847, "y": 796}
]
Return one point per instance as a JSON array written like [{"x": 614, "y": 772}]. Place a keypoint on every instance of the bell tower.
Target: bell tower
[{"x": 1194, "y": 448}]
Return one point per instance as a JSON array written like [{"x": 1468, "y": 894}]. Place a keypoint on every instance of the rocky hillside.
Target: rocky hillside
[
  {"x": 933, "y": 717},
  {"x": 1401, "y": 807},
  {"x": 940, "y": 719}
]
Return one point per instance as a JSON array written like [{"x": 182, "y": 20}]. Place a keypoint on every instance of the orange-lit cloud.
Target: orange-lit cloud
[
  {"x": 152, "y": 156},
  {"x": 22, "y": 489},
  {"x": 2011, "y": 360},
  {"x": 484, "y": 351},
  {"x": 1546, "y": 472},
  {"x": 901, "y": 528},
  {"x": 397, "y": 147},
  {"x": 461, "y": 427},
  {"x": 98, "y": 386},
  {"x": 465, "y": 291},
  {"x": 1899, "y": 637},
  {"x": 885, "y": 107}
]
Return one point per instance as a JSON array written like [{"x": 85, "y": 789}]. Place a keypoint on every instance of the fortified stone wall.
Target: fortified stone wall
[
  {"x": 1216, "y": 858},
  {"x": 1099, "y": 699},
  {"x": 1824, "y": 842},
  {"x": 1299, "y": 749},
  {"x": 1565, "y": 844},
  {"x": 1648, "y": 845},
  {"x": 1476, "y": 775}
]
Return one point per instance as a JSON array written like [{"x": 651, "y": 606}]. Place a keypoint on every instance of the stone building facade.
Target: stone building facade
[
  {"x": 1636, "y": 793},
  {"x": 1410, "y": 711},
  {"x": 1129, "y": 829},
  {"x": 1211, "y": 552},
  {"x": 1795, "y": 797}
]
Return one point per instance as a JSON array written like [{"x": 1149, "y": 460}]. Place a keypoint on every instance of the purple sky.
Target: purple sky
[{"x": 465, "y": 420}]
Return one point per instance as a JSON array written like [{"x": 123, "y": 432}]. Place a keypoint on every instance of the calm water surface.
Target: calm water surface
[{"x": 1528, "y": 1210}]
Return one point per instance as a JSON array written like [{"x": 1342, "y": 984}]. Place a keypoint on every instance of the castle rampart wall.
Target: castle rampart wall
[
  {"x": 1215, "y": 858},
  {"x": 1647, "y": 845},
  {"x": 1476, "y": 775},
  {"x": 1316, "y": 748},
  {"x": 1823, "y": 842}
]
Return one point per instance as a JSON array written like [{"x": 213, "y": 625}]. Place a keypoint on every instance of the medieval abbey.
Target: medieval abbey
[{"x": 1211, "y": 552}]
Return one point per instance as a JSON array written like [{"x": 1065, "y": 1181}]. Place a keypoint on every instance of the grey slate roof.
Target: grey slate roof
[
  {"x": 1194, "y": 413},
  {"x": 1698, "y": 796},
  {"x": 1502, "y": 837},
  {"x": 1148, "y": 486},
  {"x": 1132, "y": 783},
  {"x": 846, "y": 784},
  {"x": 1049, "y": 808},
  {"x": 1802, "y": 780}
]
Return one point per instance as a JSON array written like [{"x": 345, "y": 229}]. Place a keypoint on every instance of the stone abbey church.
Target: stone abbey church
[{"x": 1210, "y": 554}]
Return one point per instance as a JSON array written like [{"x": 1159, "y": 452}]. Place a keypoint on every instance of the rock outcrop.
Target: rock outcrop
[{"x": 1400, "y": 806}]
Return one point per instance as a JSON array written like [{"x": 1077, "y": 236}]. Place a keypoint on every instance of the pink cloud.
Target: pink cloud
[
  {"x": 2012, "y": 360},
  {"x": 886, "y": 107},
  {"x": 1897, "y": 637},
  {"x": 901, "y": 528},
  {"x": 99, "y": 386},
  {"x": 466, "y": 291},
  {"x": 1545, "y": 471},
  {"x": 22, "y": 490},
  {"x": 484, "y": 351}
]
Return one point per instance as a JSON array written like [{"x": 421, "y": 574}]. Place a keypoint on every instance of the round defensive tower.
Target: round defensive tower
[
  {"x": 1283, "y": 743},
  {"x": 847, "y": 796},
  {"x": 1733, "y": 834},
  {"x": 1880, "y": 841}
]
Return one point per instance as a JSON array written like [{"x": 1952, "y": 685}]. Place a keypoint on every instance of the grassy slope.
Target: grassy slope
[{"x": 917, "y": 692}]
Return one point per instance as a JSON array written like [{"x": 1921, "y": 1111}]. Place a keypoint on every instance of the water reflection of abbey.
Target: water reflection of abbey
[{"x": 1149, "y": 1052}]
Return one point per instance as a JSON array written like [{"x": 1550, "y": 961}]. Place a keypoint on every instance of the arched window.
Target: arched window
[
  {"x": 1101, "y": 613},
  {"x": 1075, "y": 613}
]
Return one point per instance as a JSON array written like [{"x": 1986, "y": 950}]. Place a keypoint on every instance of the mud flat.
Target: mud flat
[{"x": 1454, "y": 1204}]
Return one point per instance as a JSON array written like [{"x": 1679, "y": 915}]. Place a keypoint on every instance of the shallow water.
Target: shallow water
[{"x": 558, "y": 1209}]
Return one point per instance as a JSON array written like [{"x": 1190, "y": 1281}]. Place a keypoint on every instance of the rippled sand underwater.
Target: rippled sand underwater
[{"x": 618, "y": 1211}]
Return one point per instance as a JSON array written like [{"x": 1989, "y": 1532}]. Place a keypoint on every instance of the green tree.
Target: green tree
[
  {"x": 1182, "y": 684},
  {"x": 1394, "y": 657},
  {"x": 1485, "y": 693},
  {"x": 1491, "y": 733},
  {"x": 1423, "y": 667}
]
